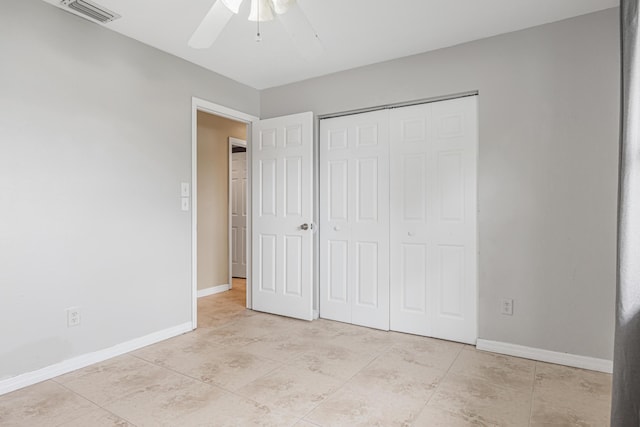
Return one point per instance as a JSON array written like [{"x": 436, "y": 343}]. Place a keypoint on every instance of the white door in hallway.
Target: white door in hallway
[
  {"x": 239, "y": 214},
  {"x": 433, "y": 219},
  {"x": 354, "y": 219},
  {"x": 282, "y": 214}
]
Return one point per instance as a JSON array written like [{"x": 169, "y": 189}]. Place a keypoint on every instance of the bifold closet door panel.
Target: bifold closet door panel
[
  {"x": 354, "y": 219},
  {"x": 433, "y": 219},
  {"x": 411, "y": 165}
]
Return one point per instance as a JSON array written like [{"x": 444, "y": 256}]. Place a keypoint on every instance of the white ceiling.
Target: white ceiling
[{"x": 353, "y": 32}]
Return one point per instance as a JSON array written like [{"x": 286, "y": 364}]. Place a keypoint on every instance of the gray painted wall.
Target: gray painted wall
[
  {"x": 548, "y": 112},
  {"x": 95, "y": 138}
]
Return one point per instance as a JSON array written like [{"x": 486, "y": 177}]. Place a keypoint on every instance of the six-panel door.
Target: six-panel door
[
  {"x": 354, "y": 219},
  {"x": 433, "y": 219},
  {"x": 282, "y": 214}
]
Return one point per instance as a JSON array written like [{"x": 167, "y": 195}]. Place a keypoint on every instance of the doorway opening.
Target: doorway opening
[{"x": 220, "y": 214}]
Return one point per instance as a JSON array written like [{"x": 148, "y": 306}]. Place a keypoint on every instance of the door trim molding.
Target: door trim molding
[{"x": 198, "y": 104}]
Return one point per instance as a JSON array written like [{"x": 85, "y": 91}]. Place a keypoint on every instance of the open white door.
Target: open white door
[{"x": 282, "y": 214}]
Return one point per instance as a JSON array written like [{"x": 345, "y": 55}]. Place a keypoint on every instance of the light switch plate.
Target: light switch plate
[
  {"x": 184, "y": 189},
  {"x": 185, "y": 203}
]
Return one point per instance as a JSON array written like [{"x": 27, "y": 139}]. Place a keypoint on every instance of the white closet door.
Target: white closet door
[
  {"x": 411, "y": 161},
  {"x": 239, "y": 214},
  {"x": 354, "y": 219},
  {"x": 282, "y": 214},
  {"x": 433, "y": 219}
]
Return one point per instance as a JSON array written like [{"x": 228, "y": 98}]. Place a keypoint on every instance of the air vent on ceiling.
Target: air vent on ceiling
[{"x": 91, "y": 10}]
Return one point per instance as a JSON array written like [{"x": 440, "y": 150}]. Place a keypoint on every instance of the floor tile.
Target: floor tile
[
  {"x": 495, "y": 368},
  {"x": 406, "y": 380},
  {"x": 353, "y": 406},
  {"x": 169, "y": 403},
  {"x": 570, "y": 396},
  {"x": 279, "y": 346},
  {"x": 229, "y": 368},
  {"x": 270, "y": 323},
  {"x": 235, "y": 333},
  {"x": 364, "y": 340},
  {"x": 333, "y": 360},
  {"x": 105, "y": 382},
  {"x": 43, "y": 404},
  {"x": 380, "y": 394},
  {"x": 482, "y": 402},
  {"x": 98, "y": 418},
  {"x": 291, "y": 390},
  {"x": 436, "y": 417},
  {"x": 576, "y": 415},
  {"x": 231, "y": 410},
  {"x": 316, "y": 331},
  {"x": 563, "y": 380},
  {"x": 305, "y": 423},
  {"x": 423, "y": 351},
  {"x": 207, "y": 322}
]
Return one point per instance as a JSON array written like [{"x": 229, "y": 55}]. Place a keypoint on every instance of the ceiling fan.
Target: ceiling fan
[{"x": 287, "y": 12}]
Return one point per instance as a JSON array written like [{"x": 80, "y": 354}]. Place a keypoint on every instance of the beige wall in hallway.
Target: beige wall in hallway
[{"x": 213, "y": 197}]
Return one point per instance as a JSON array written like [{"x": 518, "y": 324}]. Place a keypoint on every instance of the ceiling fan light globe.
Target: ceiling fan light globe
[
  {"x": 261, "y": 10},
  {"x": 232, "y": 5}
]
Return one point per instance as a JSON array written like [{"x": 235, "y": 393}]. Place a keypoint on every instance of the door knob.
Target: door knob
[
  {"x": 411, "y": 233},
  {"x": 304, "y": 227},
  {"x": 336, "y": 228}
]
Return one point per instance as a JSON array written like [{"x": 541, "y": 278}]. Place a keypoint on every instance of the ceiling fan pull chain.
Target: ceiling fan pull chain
[{"x": 258, "y": 36}]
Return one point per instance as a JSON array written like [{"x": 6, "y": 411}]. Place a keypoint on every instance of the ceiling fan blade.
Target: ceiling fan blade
[
  {"x": 302, "y": 33},
  {"x": 211, "y": 26}
]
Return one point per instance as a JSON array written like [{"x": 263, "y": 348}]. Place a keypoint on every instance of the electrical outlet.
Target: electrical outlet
[
  {"x": 73, "y": 316},
  {"x": 507, "y": 307}
]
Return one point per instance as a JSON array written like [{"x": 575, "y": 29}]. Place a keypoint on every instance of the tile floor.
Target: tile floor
[{"x": 246, "y": 368}]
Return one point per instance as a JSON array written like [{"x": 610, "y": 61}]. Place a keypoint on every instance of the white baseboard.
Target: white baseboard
[
  {"x": 573, "y": 360},
  {"x": 52, "y": 371},
  {"x": 213, "y": 290}
]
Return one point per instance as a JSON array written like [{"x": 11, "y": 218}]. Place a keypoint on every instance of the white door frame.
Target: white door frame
[
  {"x": 198, "y": 104},
  {"x": 235, "y": 142}
]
